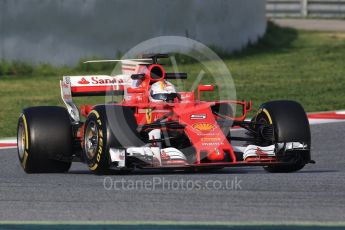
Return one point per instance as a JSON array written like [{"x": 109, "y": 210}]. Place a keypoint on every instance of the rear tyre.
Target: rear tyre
[
  {"x": 290, "y": 124},
  {"x": 44, "y": 137},
  {"x": 102, "y": 132}
]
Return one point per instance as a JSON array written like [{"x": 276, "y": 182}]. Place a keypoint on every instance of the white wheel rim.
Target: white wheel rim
[{"x": 91, "y": 140}]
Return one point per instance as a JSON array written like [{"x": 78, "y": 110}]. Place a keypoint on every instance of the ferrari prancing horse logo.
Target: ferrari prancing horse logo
[{"x": 149, "y": 115}]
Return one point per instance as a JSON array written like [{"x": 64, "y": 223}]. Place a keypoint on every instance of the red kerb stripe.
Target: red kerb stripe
[
  {"x": 330, "y": 115},
  {"x": 8, "y": 144}
]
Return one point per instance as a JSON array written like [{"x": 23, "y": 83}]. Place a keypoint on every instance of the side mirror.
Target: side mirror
[
  {"x": 204, "y": 88},
  {"x": 135, "y": 90}
]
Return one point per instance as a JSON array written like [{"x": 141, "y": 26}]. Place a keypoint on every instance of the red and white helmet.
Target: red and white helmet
[{"x": 162, "y": 91}]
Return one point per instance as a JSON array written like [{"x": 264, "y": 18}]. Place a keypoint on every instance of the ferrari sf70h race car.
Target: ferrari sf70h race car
[{"x": 156, "y": 127}]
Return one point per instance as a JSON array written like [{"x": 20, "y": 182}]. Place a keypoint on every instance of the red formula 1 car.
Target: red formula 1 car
[{"x": 155, "y": 127}]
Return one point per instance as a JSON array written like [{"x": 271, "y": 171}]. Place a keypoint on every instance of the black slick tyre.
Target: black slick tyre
[
  {"x": 44, "y": 137},
  {"x": 290, "y": 124}
]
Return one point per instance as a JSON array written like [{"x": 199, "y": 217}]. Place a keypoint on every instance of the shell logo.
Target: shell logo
[{"x": 203, "y": 127}]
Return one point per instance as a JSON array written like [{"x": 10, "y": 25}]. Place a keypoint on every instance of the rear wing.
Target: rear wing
[
  {"x": 91, "y": 85},
  {"x": 95, "y": 85}
]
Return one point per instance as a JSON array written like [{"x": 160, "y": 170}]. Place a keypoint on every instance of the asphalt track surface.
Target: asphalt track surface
[{"x": 314, "y": 195}]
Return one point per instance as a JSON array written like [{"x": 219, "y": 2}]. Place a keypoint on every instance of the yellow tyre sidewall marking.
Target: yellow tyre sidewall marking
[
  {"x": 25, "y": 158},
  {"x": 94, "y": 166},
  {"x": 268, "y": 116},
  {"x": 26, "y": 132},
  {"x": 257, "y": 113},
  {"x": 26, "y": 154},
  {"x": 95, "y": 112}
]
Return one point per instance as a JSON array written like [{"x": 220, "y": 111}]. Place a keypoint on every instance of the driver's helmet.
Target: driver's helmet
[{"x": 162, "y": 91}]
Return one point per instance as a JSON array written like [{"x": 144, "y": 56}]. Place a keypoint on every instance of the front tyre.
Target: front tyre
[{"x": 290, "y": 124}]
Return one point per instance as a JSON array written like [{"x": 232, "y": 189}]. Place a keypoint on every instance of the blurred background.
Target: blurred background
[
  {"x": 275, "y": 49},
  {"x": 61, "y": 32}
]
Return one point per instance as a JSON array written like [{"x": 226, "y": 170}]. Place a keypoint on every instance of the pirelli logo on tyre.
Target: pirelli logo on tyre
[
  {"x": 94, "y": 165},
  {"x": 203, "y": 126}
]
